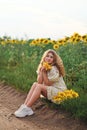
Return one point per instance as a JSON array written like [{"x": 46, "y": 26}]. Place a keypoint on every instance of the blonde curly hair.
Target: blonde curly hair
[{"x": 57, "y": 62}]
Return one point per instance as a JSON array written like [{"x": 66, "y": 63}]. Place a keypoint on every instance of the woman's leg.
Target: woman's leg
[
  {"x": 36, "y": 94},
  {"x": 33, "y": 95},
  {"x": 30, "y": 93}
]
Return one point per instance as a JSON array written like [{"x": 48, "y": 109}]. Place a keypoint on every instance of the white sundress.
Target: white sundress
[{"x": 58, "y": 85}]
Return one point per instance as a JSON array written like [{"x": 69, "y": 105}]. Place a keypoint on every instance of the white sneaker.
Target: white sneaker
[{"x": 23, "y": 111}]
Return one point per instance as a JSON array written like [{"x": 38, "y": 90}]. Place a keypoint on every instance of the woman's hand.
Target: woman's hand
[{"x": 43, "y": 69}]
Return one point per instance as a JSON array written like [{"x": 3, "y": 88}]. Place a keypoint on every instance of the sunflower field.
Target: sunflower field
[{"x": 19, "y": 60}]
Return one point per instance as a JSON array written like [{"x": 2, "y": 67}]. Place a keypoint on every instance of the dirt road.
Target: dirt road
[{"x": 43, "y": 119}]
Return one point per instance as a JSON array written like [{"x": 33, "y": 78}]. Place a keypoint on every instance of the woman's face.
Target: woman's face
[{"x": 49, "y": 58}]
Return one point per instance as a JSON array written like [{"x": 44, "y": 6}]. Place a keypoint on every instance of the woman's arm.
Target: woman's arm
[
  {"x": 46, "y": 80},
  {"x": 53, "y": 76},
  {"x": 40, "y": 77}
]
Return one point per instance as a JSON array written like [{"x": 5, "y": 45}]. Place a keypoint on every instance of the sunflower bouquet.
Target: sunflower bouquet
[
  {"x": 47, "y": 66},
  {"x": 62, "y": 96}
]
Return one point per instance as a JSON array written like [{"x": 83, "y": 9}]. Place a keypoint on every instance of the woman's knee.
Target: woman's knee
[
  {"x": 34, "y": 85},
  {"x": 40, "y": 86}
]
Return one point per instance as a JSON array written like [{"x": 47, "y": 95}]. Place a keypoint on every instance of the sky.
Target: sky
[{"x": 42, "y": 18}]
